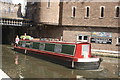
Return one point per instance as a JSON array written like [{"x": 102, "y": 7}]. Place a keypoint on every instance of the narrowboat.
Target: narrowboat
[{"x": 78, "y": 54}]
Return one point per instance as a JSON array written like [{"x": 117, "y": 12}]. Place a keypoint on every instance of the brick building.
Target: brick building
[
  {"x": 11, "y": 21},
  {"x": 10, "y": 10},
  {"x": 95, "y": 22}
]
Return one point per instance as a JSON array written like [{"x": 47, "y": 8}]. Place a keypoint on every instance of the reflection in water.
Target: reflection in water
[
  {"x": 18, "y": 65},
  {"x": 16, "y": 59}
]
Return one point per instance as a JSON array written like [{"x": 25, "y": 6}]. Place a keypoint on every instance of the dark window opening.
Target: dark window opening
[
  {"x": 85, "y": 37},
  {"x": 74, "y": 11},
  {"x": 102, "y": 11},
  {"x": 117, "y": 11},
  {"x": 48, "y": 3},
  {"x": 9, "y": 10},
  {"x": 80, "y": 37},
  {"x": 88, "y": 10},
  {"x": 118, "y": 40}
]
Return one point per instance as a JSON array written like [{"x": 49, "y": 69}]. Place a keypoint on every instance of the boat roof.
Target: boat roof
[{"x": 59, "y": 42}]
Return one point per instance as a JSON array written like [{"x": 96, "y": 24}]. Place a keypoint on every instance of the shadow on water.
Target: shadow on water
[
  {"x": 53, "y": 59},
  {"x": 20, "y": 65}
]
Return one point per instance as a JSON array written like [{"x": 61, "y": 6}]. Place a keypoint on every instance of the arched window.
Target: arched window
[
  {"x": 117, "y": 11},
  {"x": 48, "y": 4},
  {"x": 102, "y": 11},
  {"x": 73, "y": 11},
  {"x": 9, "y": 9},
  {"x": 4, "y": 10},
  {"x": 87, "y": 11},
  {"x": 118, "y": 40}
]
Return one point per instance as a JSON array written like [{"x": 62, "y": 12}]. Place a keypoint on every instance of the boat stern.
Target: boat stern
[{"x": 87, "y": 63}]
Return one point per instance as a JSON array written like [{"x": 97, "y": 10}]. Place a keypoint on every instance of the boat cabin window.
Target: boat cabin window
[
  {"x": 23, "y": 43},
  {"x": 49, "y": 47},
  {"x": 68, "y": 49},
  {"x": 58, "y": 48},
  {"x": 36, "y": 45},
  {"x": 29, "y": 44},
  {"x": 41, "y": 46}
]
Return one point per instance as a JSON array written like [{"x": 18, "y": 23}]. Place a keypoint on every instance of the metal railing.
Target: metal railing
[{"x": 15, "y": 22}]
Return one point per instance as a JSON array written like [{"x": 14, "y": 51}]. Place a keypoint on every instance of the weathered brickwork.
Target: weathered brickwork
[
  {"x": 94, "y": 19},
  {"x": 9, "y": 10},
  {"x": 49, "y": 15},
  {"x": 80, "y": 25},
  {"x": 52, "y": 32},
  {"x": 32, "y": 12},
  {"x": 70, "y": 34}
]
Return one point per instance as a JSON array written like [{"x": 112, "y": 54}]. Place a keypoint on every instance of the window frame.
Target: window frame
[
  {"x": 86, "y": 11},
  {"x": 83, "y": 38},
  {"x": 116, "y": 11},
  {"x": 118, "y": 42},
  {"x": 9, "y": 10},
  {"x": 101, "y": 11},
  {"x": 48, "y": 3},
  {"x": 5, "y": 10}
]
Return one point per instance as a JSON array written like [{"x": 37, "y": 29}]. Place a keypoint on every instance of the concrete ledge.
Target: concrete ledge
[
  {"x": 106, "y": 54},
  {"x": 4, "y": 76},
  {"x": 106, "y": 51}
]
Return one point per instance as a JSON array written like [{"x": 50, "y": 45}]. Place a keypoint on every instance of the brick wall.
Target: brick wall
[
  {"x": 94, "y": 20},
  {"x": 49, "y": 15},
  {"x": 9, "y": 10},
  {"x": 70, "y": 35}
]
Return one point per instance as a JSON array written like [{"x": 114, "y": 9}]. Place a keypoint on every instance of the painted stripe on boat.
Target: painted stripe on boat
[
  {"x": 88, "y": 59},
  {"x": 59, "y": 42},
  {"x": 46, "y": 52}
]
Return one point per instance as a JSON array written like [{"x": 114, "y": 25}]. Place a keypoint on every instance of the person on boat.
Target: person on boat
[
  {"x": 61, "y": 38},
  {"x": 16, "y": 41},
  {"x": 26, "y": 37},
  {"x": 23, "y": 36}
]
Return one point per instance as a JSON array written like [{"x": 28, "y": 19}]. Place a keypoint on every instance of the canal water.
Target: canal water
[{"x": 19, "y": 65}]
